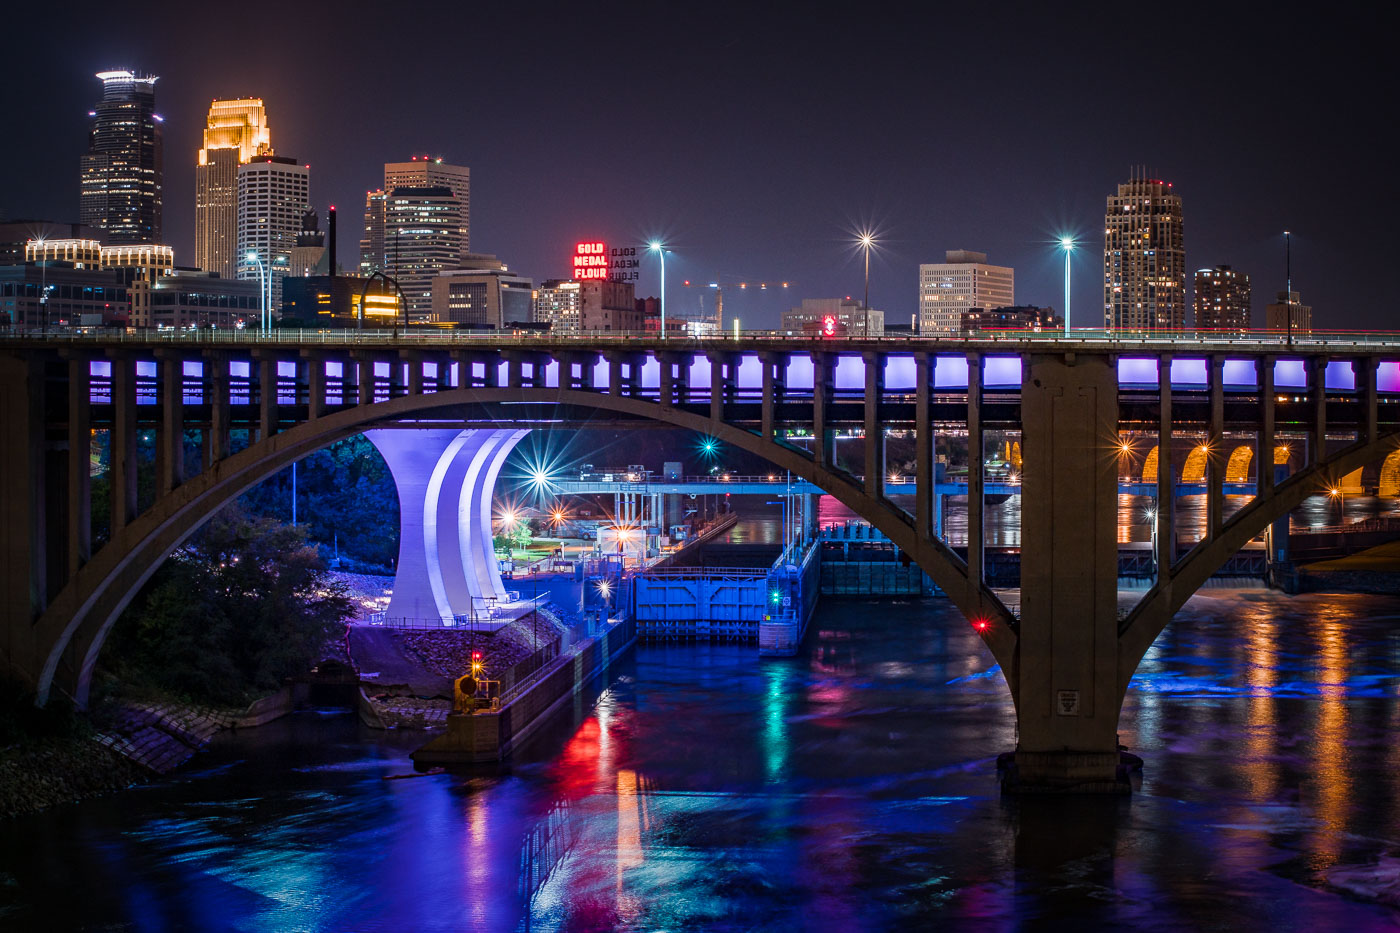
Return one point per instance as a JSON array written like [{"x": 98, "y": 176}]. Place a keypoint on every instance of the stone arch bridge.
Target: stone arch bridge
[{"x": 1074, "y": 407}]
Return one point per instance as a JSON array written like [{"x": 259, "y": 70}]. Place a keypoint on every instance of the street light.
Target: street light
[
  {"x": 660, "y": 250},
  {"x": 867, "y": 240},
  {"x": 262, "y": 290},
  {"x": 1067, "y": 244},
  {"x": 1336, "y": 493}
]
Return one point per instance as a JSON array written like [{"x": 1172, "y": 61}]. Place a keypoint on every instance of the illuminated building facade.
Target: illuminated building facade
[
  {"x": 963, "y": 281},
  {"x": 1289, "y": 308},
  {"x": 416, "y": 226},
  {"x": 556, "y": 303},
  {"x": 121, "y": 173},
  {"x": 195, "y": 298},
  {"x": 1221, "y": 300},
  {"x": 138, "y": 267},
  {"x": 274, "y": 194},
  {"x": 234, "y": 132},
  {"x": 141, "y": 269},
  {"x": 1144, "y": 258},
  {"x": 423, "y": 172},
  {"x": 483, "y": 294}
]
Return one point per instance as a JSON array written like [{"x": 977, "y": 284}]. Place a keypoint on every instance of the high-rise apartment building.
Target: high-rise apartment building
[
  {"x": 421, "y": 239},
  {"x": 1221, "y": 300},
  {"x": 1288, "y": 315},
  {"x": 417, "y": 225},
  {"x": 121, "y": 174},
  {"x": 274, "y": 193},
  {"x": 234, "y": 132},
  {"x": 1144, "y": 258},
  {"x": 557, "y": 304},
  {"x": 961, "y": 282},
  {"x": 423, "y": 172}
]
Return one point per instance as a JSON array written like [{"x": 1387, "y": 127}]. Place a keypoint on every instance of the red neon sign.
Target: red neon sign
[
  {"x": 829, "y": 326},
  {"x": 590, "y": 261}
]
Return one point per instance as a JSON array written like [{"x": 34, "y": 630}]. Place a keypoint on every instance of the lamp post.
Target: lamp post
[
  {"x": 867, "y": 240},
  {"x": 1067, "y": 244},
  {"x": 660, "y": 250},
  {"x": 262, "y": 290},
  {"x": 1288, "y": 282}
]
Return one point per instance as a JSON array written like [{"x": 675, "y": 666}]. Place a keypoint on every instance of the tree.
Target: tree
[{"x": 242, "y": 606}]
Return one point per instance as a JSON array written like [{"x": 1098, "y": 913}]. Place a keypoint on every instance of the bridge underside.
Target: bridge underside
[{"x": 1067, "y": 659}]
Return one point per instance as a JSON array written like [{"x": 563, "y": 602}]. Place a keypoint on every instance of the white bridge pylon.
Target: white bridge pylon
[{"x": 445, "y": 479}]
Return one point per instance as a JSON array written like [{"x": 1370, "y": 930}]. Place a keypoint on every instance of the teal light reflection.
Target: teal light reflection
[{"x": 776, "y": 745}]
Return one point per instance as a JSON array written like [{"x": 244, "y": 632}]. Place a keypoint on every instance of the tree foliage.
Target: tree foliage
[
  {"x": 227, "y": 617},
  {"x": 346, "y": 499}
]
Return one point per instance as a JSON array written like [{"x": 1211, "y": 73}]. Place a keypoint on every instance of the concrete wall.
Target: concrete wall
[{"x": 491, "y": 736}]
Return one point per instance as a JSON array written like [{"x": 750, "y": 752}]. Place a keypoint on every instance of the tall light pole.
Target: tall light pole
[
  {"x": 262, "y": 290},
  {"x": 1067, "y": 244},
  {"x": 1288, "y": 281},
  {"x": 660, "y": 250},
  {"x": 867, "y": 240}
]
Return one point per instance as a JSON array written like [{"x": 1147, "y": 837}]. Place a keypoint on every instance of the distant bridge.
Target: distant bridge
[{"x": 259, "y": 404}]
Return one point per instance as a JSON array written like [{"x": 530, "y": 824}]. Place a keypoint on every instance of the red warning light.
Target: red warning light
[
  {"x": 979, "y": 624},
  {"x": 476, "y": 655}
]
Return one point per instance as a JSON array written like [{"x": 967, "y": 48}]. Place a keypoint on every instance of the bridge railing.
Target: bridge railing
[{"x": 1250, "y": 340}]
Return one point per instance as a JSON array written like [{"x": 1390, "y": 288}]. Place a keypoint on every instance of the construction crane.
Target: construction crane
[{"x": 719, "y": 288}]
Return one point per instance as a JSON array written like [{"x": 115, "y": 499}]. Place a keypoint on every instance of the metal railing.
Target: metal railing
[{"x": 1082, "y": 337}]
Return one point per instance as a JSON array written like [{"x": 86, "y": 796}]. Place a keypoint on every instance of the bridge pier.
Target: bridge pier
[
  {"x": 445, "y": 478},
  {"x": 1065, "y": 678}
]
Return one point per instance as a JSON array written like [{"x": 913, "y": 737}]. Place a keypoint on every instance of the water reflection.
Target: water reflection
[{"x": 850, "y": 788}]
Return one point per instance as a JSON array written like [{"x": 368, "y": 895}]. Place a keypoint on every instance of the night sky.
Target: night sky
[{"x": 757, "y": 142}]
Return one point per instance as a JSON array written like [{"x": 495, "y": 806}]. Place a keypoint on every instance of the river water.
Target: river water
[{"x": 851, "y": 788}]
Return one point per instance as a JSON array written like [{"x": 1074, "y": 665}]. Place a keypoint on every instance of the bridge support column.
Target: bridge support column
[
  {"x": 874, "y": 428},
  {"x": 445, "y": 479},
  {"x": 976, "y": 500},
  {"x": 23, "y": 574},
  {"x": 122, "y": 453},
  {"x": 79, "y": 464},
  {"x": 1066, "y": 675},
  {"x": 822, "y": 453},
  {"x": 925, "y": 489}
]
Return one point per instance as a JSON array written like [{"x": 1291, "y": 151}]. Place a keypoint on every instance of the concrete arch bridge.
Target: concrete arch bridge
[{"x": 1076, "y": 409}]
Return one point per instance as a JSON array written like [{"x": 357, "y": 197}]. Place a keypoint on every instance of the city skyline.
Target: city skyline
[{"x": 748, "y": 168}]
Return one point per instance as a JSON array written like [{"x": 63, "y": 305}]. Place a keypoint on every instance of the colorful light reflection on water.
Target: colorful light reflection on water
[{"x": 851, "y": 788}]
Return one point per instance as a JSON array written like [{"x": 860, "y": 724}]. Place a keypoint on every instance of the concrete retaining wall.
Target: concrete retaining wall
[{"x": 491, "y": 735}]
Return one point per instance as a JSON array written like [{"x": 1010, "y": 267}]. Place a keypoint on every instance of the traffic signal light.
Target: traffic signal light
[{"x": 476, "y": 663}]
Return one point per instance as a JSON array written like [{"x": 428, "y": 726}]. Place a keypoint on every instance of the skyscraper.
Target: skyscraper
[
  {"x": 274, "y": 194},
  {"x": 1144, "y": 259},
  {"x": 962, "y": 282},
  {"x": 234, "y": 132},
  {"x": 423, "y": 172},
  {"x": 417, "y": 225},
  {"x": 422, "y": 237},
  {"x": 121, "y": 174},
  {"x": 1221, "y": 300}
]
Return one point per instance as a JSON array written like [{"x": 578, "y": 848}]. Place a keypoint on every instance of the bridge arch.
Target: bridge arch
[
  {"x": 1194, "y": 470},
  {"x": 71, "y": 631},
  {"x": 1237, "y": 467},
  {"x": 1389, "y": 484},
  {"x": 1157, "y": 607},
  {"x": 1149, "y": 466}
]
